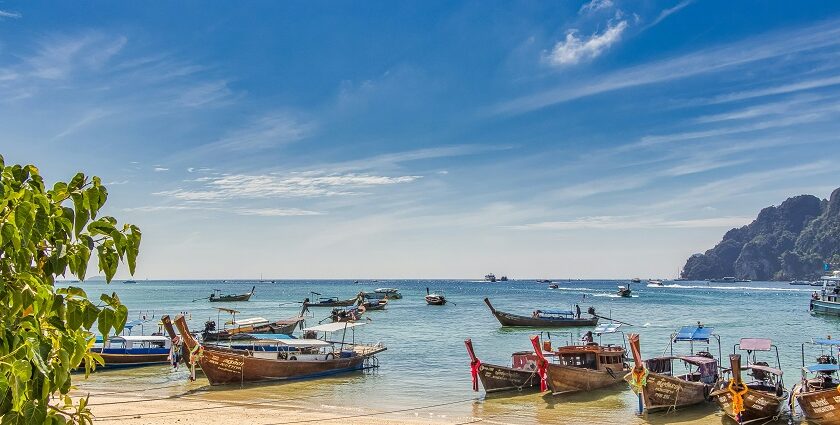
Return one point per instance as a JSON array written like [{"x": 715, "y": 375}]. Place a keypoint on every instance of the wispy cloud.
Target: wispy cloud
[
  {"x": 214, "y": 93},
  {"x": 160, "y": 169},
  {"x": 574, "y": 49},
  {"x": 633, "y": 222},
  {"x": 782, "y": 89},
  {"x": 276, "y": 212},
  {"x": 9, "y": 14},
  {"x": 89, "y": 117},
  {"x": 595, "y": 5},
  {"x": 268, "y": 131},
  {"x": 665, "y": 13},
  {"x": 267, "y": 186},
  {"x": 768, "y": 46},
  {"x": 262, "y": 212}
]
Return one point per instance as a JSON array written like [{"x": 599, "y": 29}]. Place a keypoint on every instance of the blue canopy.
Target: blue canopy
[
  {"x": 557, "y": 312},
  {"x": 134, "y": 323},
  {"x": 822, "y": 368},
  {"x": 693, "y": 333},
  {"x": 827, "y": 341}
]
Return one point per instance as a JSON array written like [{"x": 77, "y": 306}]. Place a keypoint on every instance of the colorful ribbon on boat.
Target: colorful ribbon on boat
[
  {"x": 737, "y": 398},
  {"x": 637, "y": 378},
  {"x": 542, "y": 371},
  {"x": 196, "y": 353},
  {"x": 838, "y": 388},
  {"x": 474, "y": 365}
]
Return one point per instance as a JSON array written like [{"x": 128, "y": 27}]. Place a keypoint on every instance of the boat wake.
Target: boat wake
[{"x": 613, "y": 296}]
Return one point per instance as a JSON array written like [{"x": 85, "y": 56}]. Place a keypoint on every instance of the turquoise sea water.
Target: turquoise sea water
[{"x": 426, "y": 363}]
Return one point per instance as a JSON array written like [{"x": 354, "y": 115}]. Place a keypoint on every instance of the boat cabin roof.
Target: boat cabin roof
[
  {"x": 250, "y": 321},
  {"x": 292, "y": 342},
  {"x": 590, "y": 348},
  {"x": 694, "y": 360},
  {"x": 227, "y": 310},
  {"x": 139, "y": 338},
  {"x": 332, "y": 327},
  {"x": 693, "y": 333},
  {"x": 606, "y": 328},
  {"x": 755, "y": 344},
  {"x": 822, "y": 368},
  {"x": 556, "y": 312},
  {"x": 386, "y": 290},
  {"x": 767, "y": 369},
  {"x": 827, "y": 341}
]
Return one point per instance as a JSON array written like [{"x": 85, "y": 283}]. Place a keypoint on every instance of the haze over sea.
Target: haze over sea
[{"x": 426, "y": 363}]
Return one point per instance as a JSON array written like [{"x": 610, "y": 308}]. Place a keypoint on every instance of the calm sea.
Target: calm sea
[{"x": 426, "y": 367}]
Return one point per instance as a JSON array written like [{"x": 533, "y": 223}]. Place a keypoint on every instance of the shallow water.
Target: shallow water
[{"x": 426, "y": 363}]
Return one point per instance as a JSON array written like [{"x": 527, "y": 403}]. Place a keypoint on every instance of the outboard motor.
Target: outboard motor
[{"x": 210, "y": 326}]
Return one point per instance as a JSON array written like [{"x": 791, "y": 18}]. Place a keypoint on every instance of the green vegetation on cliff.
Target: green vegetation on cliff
[{"x": 790, "y": 241}]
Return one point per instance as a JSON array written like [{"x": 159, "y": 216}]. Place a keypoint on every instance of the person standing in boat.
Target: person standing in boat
[
  {"x": 577, "y": 311},
  {"x": 587, "y": 338}
]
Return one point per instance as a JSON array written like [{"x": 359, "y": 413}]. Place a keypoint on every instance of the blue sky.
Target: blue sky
[{"x": 426, "y": 139}]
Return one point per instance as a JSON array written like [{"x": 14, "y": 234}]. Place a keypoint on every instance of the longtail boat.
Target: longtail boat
[
  {"x": 759, "y": 400},
  {"x": 656, "y": 384},
  {"x": 391, "y": 293},
  {"x": 217, "y": 296},
  {"x": 818, "y": 393},
  {"x": 624, "y": 291},
  {"x": 254, "y": 325},
  {"x": 583, "y": 367},
  {"x": 374, "y": 304},
  {"x": 436, "y": 298},
  {"x": 293, "y": 359},
  {"x": 330, "y": 302},
  {"x": 133, "y": 351},
  {"x": 347, "y": 314},
  {"x": 543, "y": 318},
  {"x": 522, "y": 375}
]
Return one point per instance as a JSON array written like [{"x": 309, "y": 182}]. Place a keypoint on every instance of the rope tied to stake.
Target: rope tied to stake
[{"x": 737, "y": 398}]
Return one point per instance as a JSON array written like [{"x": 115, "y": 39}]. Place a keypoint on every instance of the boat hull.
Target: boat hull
[
  {"x": 435, "y": 300},
  {"x": 759, "y": 406},
  {"x": 495, "y": 378},
  {"x": 132, "y": 360},
  {"x": 664, "y": 392},
  {"x": 820, "y": 407},
  {"x": 507, "y": 319},
  {"x": 568, "y": 379},
  {"x": 825, "y": 307}
]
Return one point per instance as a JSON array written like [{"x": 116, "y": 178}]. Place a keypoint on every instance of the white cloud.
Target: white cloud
[
  {"x": 88, "y": 118},
  {"x": 574, "y": 49},
  {"x": 777, "y": 45},
  {"x": 595, "y": 5},
  {"x": 665, "y": 13},
  {"x": 783, "y": 89},
  {"x": 160, "y": 169},
  {"x": 214, "y": 92},
  {"x": 299, "y": 185},
  {"x": 276, "y": 212},
  {"x": 265, "y": 132},
  {"x": 7, "y": 14},
  {"x": 634, "y": 222}
]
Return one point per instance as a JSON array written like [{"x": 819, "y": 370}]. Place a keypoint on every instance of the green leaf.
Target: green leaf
[
  {"x": 105, "y": 322},
  {"x": 25, "y": 219},
  {"x": 82, "y": 215},
  {"x": 21, "y": 369}
]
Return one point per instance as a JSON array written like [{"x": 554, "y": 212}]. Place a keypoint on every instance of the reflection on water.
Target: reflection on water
[{"x": 426, "y": 363}]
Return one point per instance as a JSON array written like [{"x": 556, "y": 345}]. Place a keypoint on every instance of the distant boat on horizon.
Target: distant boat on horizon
[
  {"x": 130, "y": 281},
  {"x": 490, "y": 277}
]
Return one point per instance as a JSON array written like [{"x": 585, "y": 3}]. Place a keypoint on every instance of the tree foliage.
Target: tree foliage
[{"x": 44, "y": 331}]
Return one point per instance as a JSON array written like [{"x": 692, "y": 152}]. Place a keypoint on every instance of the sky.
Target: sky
[{"x": 426, "y": 139}]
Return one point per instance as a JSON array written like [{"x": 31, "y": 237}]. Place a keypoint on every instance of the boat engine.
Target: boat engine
[{"x": 210, "y": 326}]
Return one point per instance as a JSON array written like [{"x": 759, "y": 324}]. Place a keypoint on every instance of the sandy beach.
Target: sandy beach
[{"x": 127, "y": 409}]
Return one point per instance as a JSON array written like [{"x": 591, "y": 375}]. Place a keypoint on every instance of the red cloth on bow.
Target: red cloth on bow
[
  {"x": 542, "y": 368},
  {"x": 474, "y": 365}
]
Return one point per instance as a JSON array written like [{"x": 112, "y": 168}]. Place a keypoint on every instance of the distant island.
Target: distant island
[{"x": 790, "y": 241}]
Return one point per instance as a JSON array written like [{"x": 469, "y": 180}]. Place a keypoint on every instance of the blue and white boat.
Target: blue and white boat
[
  {"x": 827, "y": 301},
  {"x": 817, "y": 392},
  {"x": 133, "y": 351}
]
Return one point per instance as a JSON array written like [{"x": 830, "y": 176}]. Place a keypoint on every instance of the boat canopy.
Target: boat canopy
[
  {"x": 251, "y": 321},
  {"x": 693, "y": 333},
  {"x": 606, "y": 328},
  {"x": 827, "y": 341},
  {"x": 822, "y": 368},
  {"x": 291, "y": 342},
  {"x": 134, "y": 323},
  {"x": 767, "y": 369},
  {"x": 556, "y": 312},
  {"x": 332, "y": 327},
  {"x": 386, "y": 290},
  {"x": 227, "y": 310},
  {"x": 755, "y": 344},
  {"x": 139, "y": 338}
]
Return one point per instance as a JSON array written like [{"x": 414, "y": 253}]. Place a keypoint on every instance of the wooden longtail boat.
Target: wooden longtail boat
[
  {"x": 624, "y": 291},
  {"x": 299, "y": 359},
  {"x": 133, "y": 351},
  {"x": 435, "y": 298},
  {"x": 347, "y": 314},
  {"x": 760, "y": 400},
  {"x": 818, "y": 393},
  {"x": 583, "y": 367},
  {"x": 655, "y": 383},
  {"x": 230, "y": 298},
  {"x": 521, "y": 375},
  {"x": 542, "y": 318},
  {"x": 374, "y": 304},
  {"x": 391, "y": 293},
  {"x": 330, "y": 302}
]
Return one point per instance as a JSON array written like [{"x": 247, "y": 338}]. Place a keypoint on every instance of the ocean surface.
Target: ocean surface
[{"x": 425, "y": 371}]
